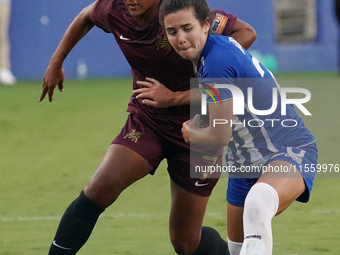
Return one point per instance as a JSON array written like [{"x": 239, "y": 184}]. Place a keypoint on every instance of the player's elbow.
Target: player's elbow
[
  {"x": 249, "y": 37},
  {"x": 244, "y": 33},
  {"x": 251, "y": 34}
]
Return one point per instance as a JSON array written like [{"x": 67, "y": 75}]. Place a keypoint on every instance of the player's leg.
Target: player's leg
[
  {"x": 237, "y": 191},
  {"x": 120, "y": 167},
  {"x": 186, "y": 231},
  {"x": 134, "y": 153},
  {"x": 287, "y": 178},
  {"x": 186, "y": 217},
  {"x": 235, "y": 228},
  {"x": 190, "y": 191},
  {"x": 6, "y": 76},
  {"x": 4, "y": 41},
  {"x": 271, "y": 195}
]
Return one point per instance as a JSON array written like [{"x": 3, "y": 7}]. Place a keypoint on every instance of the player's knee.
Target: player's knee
[
  {"x": 253, "y": 203},
  {"x": 252, "y": 207},
  {"x": 102, "y": 192},
  {"x": 262, "y": 198},
  {"x": 184, "y": 247}
]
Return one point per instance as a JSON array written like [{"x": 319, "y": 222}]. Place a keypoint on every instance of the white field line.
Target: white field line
[
  {"x": 117, "y": 215},
  {"x": 150, "y": 215}
]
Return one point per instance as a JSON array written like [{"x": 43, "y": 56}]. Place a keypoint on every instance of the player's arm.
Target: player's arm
[
  {"x": 54, "y": 74},
  {"x": 226, "y": 24},
  {"x": 219, "y": 131},
  {"x": 244, "y": 33},
  {"x": 157, "y": 95}
]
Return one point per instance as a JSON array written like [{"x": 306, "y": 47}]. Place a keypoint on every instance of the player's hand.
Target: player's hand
[
  {"x": 189, "y": 124},
  {"x": 154, "y": 93},
  {"x": 52, "y": 78}
]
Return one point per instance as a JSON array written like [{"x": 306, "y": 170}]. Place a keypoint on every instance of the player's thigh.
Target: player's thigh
[
  {"x": 120, "y": 168},
  {"x": 5, "y": 9},
  {"x": 288, "y": 184},
  {"x": 134, "y": 153},
  {"x": 186, "y": 217}
]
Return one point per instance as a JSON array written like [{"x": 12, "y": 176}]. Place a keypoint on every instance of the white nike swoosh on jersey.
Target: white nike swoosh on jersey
[
  {"x": 197, "y": 184},
  {"x": 61, "y": 247},
  {"x": 121, "y": 37}
]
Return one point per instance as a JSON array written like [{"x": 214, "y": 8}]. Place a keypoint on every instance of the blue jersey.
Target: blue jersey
[{"x": 255, "y": 137}]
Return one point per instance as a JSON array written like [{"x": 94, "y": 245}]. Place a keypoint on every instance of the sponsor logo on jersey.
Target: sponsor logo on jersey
[
  {"x": 218, "y": 24},
  {"x": 163, "y": 43},
  {"x": 133, "y": 135}
]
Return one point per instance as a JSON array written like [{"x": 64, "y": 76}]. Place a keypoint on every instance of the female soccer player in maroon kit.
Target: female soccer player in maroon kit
[{"x": 158, "y": 107}]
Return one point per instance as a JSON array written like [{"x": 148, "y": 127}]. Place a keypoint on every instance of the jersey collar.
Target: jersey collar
[{"x": 204, "y": 54}]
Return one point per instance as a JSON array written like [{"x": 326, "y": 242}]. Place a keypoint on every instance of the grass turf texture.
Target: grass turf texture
[{"x": 49, "y": 151}]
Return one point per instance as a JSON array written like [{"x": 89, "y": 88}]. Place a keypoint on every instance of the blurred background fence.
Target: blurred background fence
[{"x": 293, "y": 35}]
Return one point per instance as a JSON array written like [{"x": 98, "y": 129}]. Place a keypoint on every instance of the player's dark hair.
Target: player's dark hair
[{"x": 201, "y": 9}]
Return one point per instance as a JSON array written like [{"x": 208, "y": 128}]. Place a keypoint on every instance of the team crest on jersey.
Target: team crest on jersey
[
  {"x": 133, "y": 135},
  {"x": 296, "y": 157},
  {"x": 219, "y": 23},
  {"x": 163, "y": 43}
]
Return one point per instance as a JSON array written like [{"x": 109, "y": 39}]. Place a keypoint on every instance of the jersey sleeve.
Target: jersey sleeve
[
  {"x": 219, "y": 72},
  {"x": 223, "y": 23},
  {"x": 100, "y": 14}
]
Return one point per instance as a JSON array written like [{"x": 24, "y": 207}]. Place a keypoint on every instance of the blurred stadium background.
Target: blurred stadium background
[
  {"x": 293, "y": 35},
  {"x": 48, "y": 152}
]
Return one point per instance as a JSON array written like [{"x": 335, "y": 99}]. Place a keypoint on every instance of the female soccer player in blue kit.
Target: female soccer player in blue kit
[
  {"x": 153, "y": 129},
  {"x": 253, "y": 200}
]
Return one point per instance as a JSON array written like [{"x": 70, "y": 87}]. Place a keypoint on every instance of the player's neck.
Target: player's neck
[{"x": 144, "y": 19}]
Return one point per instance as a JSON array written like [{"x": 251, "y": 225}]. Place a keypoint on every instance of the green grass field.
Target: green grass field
[{"x": 49, "y": 151}]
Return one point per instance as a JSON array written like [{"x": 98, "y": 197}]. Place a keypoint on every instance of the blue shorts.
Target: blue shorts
[{"x": 300, "y": 157}]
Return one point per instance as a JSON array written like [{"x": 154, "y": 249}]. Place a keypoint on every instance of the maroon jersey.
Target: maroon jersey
[{"x": 150, "y": 54}]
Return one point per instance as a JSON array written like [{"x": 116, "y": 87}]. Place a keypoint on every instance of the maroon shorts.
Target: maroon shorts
[{"x": 154, "y": 145}]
